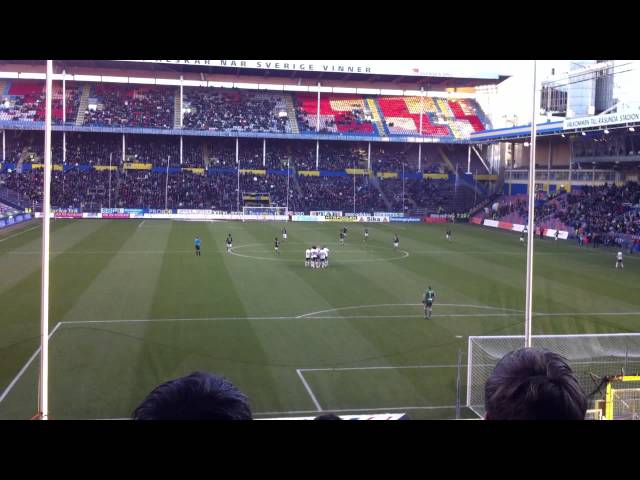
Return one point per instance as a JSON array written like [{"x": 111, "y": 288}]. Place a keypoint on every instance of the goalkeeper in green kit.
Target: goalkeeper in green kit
[{"x": 429, "y": 297}]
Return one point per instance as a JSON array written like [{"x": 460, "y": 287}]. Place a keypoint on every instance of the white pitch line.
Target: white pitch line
[
  {"x": 405, "y": 254},
  {"x": 24, "y": 369},
  {"x": 309, "y": 391},
  {"x": 19, "y": 233},
  {"x": 340, "y": 369},
  {"x": 331, "y": 317},
  {"x": 347, "y": 317},
  {"x": 345, "y": 410},
  {"x": 356, "y": 307},
  {"x": 141, "y": 223}
]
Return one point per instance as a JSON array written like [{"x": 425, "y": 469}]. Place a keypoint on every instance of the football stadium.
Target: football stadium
[{"x": 165, "y": 217}]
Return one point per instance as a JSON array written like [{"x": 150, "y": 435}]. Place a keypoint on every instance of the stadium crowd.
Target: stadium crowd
[
  {"x": 234, "y": 110},
  {"x": 125, "y": 106}
]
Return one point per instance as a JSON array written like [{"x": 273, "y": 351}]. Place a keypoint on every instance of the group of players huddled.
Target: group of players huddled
[{"x": 315, "y": 257}]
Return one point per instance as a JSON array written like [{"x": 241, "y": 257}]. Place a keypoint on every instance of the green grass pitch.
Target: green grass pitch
[{"x": 132, "y": 306}]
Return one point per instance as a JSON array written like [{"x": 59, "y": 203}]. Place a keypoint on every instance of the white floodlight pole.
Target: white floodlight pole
[
  {"x": 264, "y": 153},
  {"x": 43, "y": 398},
  {"x": 530, "y": 236},
  {"x": 4, "y": 146}
]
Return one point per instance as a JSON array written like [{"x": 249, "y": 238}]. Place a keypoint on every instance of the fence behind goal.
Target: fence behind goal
[{"x": 591, "y": 356}]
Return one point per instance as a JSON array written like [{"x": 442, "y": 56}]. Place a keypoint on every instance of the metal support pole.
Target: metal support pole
[
  {"x": 166, "y": 183},
  {"x": 469, "y": 159},
  {"x": 123, "y": 149},
  {"x": 530, "y": 236},
  {"x": 181, "y": 158},
  {"x": 64, "y": 116},
  {"x": 317, "y": 154},
  {"x": 403, "y": 187},
  {"x": 458, "y": 384},
  {"x": 369, "y": 157},
  {"x": 43, "y": 398},
  {"x": 318, "y": 111},
  {"x": 421, "y": 107},
  {"x": 570, "y": 161},
  {"x": 110, "y": 153},
  {"x": 238, "y": 170},
  {"x": 354, "y": 186},
  {"x": 420, "y": 157},
  {"x": 264, "y": 153},
  {"x": 288, "y": 173},
  {"x": 4, "y": 146},
  {"x": 181, "y": 100}
]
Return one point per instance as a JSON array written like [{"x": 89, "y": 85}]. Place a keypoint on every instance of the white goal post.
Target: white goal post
[
  {"x": 591, "y": 357},
  {"x": 264, "y": 214}
]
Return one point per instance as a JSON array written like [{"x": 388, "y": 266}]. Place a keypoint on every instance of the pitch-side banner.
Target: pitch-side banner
[{"x": 325, "y": 213}]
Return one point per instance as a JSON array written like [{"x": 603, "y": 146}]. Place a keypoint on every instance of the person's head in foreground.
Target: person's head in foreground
[
  {"x": 198, "y": 396},
  {"x": 328, "y": 416},
  {"x": 534, "y": 384}
]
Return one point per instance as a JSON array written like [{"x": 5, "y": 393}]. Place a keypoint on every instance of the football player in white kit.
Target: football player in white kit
[
  {"x": 619, "y": 261},
  {"x": 326, "y": 256},
  {"x": 314, "y": 257},
  {"x": 307, "y": 257},
  {"x": 322, "y": 256}
]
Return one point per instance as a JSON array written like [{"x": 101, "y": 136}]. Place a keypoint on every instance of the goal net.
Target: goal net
[
  {"x": 622, "y": 400},
  {"x": 592, "y": 357},
  {"x": 264, "y": 214}
]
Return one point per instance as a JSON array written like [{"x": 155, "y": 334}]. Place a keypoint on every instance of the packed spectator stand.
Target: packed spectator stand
[{"x": 93, "y": 159}]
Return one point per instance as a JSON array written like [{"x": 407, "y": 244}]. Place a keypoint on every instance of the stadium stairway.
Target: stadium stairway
[
  {"x": 446, "y": 160},
  {"x": 177, "y": 111},
  {"x": 377, "y": 118},
  {"x": 291, "y": 113},
  {"x": 84, "y": 103},
  {"x": 296, "y": 184},
  {"x": 376, "y": 183}
]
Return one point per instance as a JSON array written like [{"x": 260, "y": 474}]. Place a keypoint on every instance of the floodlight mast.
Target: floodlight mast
[
  {"x": 43, "y": 397},
  {"x": 530, "y": 224}
]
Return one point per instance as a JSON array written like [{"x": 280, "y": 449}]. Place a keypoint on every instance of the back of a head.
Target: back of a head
[
  {"x": 534, "y": 384},
  {"x": 328, "y": 416},
  {"x": 198, "y": 396}
]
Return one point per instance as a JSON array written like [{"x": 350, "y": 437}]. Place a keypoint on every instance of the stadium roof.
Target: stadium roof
[
  {"x": 522, "y": 132},
  {"x": 287, "y": 69}
]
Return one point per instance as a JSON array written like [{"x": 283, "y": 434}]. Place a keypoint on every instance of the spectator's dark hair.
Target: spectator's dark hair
[
  {"x": 534, "y": 384},
  {"x": 328, "y": 416},
  {"x": 198, "y": 396}
]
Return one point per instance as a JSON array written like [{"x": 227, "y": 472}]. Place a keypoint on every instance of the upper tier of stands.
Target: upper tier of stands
[
  {"x": 345, "y": 114},
  {"x": 24, "y": 100},
  {"x": 235, "y": 110},
  {"x": 131, "y": 106},
  {"x": 238, "y": 110}
]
